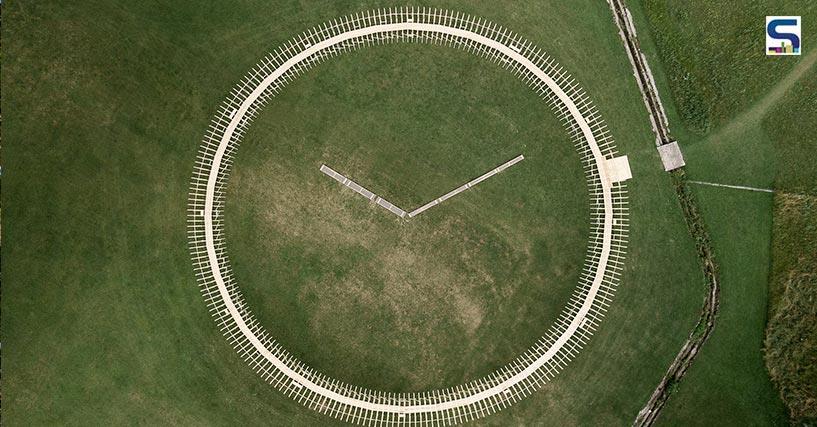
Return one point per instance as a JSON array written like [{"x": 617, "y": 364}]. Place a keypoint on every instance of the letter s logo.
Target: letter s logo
[
  {"x": 771, "y": 29},
  {"x": 783, "y": 35}
]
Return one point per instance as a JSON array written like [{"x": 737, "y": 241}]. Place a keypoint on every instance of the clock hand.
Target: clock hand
[
  {"x": 466, "y": 186},
  {"x": 357, "y": 188}
]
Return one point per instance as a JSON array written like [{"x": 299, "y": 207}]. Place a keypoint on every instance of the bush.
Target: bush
[{"x": 791, "y": 336}]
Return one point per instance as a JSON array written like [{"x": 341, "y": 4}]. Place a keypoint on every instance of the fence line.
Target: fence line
[{"x": 480, "y": 397}]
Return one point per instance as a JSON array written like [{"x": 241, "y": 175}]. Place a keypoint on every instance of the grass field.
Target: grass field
[
  {"x": 408, "y": 305},
  {"x": 791, "y": 342},
  {"x": 791, "y": 345},
  {"x": 795, "y": 120},
  {"x": 730, "y": 368},
  {"x": 743, "y": 121},
  {"x": 105, "y": 105},
  {"x": 714, "y": 57}
]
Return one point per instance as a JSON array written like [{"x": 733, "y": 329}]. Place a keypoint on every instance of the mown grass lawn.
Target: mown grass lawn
[
  {"x": 407, "y": 305},
  {"x": 105, "y": 104},
  {"x": 729, "y": 380}
]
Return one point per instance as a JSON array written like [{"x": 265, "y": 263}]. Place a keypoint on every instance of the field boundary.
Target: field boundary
[
  {"x": 642, "y": 72},
  {"x": 517, "y": 379},
  {"x": 660, "y": 125},
  {"x": 733, "y": 187}
]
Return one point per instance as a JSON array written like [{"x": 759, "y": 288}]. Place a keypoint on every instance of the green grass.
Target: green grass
[
  {"x": 794, "y": 124},
  {"x": 745, "y": 121},
  {"x": 730, "y": 369},
  {"x": 719, "y": 87},
  {"x": 791, "y": 342},
  {"x": 714, "y": 54},
  {"x": 105, "y": 104},
  {"x": 407, "y": 305}
]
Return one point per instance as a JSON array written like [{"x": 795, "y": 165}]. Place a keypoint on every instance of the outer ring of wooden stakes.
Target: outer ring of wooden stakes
[{"x": 480, "y": 397}]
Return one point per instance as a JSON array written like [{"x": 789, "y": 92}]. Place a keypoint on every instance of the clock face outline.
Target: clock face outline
[{"x": 605, "y": 173}]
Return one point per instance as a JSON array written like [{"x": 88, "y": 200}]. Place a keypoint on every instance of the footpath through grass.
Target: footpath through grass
[
  {"x": 713, "y": 54},
  {"x": 740, "y": 120},
  {"x": 105, "y": 104}
]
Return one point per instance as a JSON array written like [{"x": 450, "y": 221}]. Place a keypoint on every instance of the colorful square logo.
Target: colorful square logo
[{"x": 783, "y": 35}]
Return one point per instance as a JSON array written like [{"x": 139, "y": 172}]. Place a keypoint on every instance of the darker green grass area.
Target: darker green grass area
[
  {"x": 714, "y": 54},
  {"x": 105, "y": 104},
  {"x": 791, "y": 341}
]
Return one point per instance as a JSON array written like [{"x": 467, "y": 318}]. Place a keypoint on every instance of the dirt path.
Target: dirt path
[
  {"x": 756, "y": 113},
  {"x": 706, "y": 322}
]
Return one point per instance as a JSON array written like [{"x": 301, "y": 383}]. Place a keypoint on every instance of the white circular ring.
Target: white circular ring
[{"x": 517, "y": 379}]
